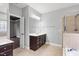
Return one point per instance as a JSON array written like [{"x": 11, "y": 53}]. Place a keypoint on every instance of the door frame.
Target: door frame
[
  {"x": 62, "y": 31},
  {"x": 9, "y": 14},
  {"x": 9, "y": 21}
]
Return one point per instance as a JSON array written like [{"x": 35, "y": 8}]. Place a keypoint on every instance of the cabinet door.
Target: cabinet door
[
  {"x": 70, "y": 23},
  {"x": 7, "y": 53},
  {"x": 44, "y": 38},
  {"x": 39, "y": 41},
  {"x": 33, "y": 43}
]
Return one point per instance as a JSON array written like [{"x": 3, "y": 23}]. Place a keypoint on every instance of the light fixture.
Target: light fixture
[{"x": 35, "y": 17}]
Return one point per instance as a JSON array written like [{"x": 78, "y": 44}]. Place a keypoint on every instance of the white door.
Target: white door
[{"x": 22, "y": 32}]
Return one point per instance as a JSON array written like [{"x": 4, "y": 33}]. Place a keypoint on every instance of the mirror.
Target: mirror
[
  {"x": 3, "y": 28},
  {"x": 3, "y": 24},
  {"x": 4, "y": 19}
]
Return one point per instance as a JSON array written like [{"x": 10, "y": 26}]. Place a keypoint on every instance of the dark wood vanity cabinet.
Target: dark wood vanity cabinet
[
  {"x": 6, "y": 50},
  {"x": 37, "y": 41},
  {"x": 16, "y": 43}
]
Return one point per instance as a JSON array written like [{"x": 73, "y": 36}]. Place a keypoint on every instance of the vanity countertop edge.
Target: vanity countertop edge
[{"x": 4, "y": 41}]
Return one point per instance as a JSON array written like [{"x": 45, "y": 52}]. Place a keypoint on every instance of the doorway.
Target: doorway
[{"x": 15, "y": 31}]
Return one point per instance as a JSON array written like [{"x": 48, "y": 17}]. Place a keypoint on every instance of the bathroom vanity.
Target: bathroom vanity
[
  {"x": 37, "y": 40},
  {"x": 6, "y": 47}
]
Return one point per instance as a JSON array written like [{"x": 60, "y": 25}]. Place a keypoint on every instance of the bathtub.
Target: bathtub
[
  {"x": 70, "y": 52},
  {"x": 71, "y": 44}
]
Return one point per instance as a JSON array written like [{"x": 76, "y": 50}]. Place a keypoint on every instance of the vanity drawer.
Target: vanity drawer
[
  {"x": 6, "y": 47},
  {"x": 7, "y": 53},
  {"x": 37, "y": 41}
]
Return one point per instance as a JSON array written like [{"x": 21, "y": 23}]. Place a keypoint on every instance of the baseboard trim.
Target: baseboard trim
[
  {"x": 54, "y": 44},
  {"x": 27, "y": 48}
]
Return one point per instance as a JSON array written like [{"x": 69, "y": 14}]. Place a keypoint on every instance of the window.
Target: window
[{"x": 3, "y": 26}]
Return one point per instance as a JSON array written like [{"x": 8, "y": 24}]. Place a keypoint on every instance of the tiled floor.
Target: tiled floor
[{"x": 45, "y": 50}]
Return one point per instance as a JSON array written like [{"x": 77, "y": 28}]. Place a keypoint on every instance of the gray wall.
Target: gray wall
[
  {"x": 15, "y": 28},
  {"x": 51, "y": 23}
]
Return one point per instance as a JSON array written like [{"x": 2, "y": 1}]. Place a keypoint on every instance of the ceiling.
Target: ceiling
[{"x": 46, "y": 7}]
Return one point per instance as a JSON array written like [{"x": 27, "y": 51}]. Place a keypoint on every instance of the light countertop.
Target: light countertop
[
  {"x": 36, "y": 34},
  {"x": 4, "y": 40}
]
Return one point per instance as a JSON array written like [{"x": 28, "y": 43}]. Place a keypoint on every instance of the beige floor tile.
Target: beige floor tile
[{"x": 45, "y": 50}]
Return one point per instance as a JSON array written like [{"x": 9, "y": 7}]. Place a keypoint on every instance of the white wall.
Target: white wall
[
  {"x": 31, "y": 25},
  {"x": 26, "y": 27},
  {"x": 15, "y": 10},
  {"x": 52, "y": 23},
  {"x": 34, "y": 23},
  {"x": 4, "y": 7}
]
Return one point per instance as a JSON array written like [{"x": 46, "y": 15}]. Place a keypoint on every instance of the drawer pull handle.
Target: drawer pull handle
[
  {"x": 37, "y": 46},
  {"x": 37, "y": 42},
  {"x": 4, "y": 48},
  {"x": 4, "y": 54}
]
